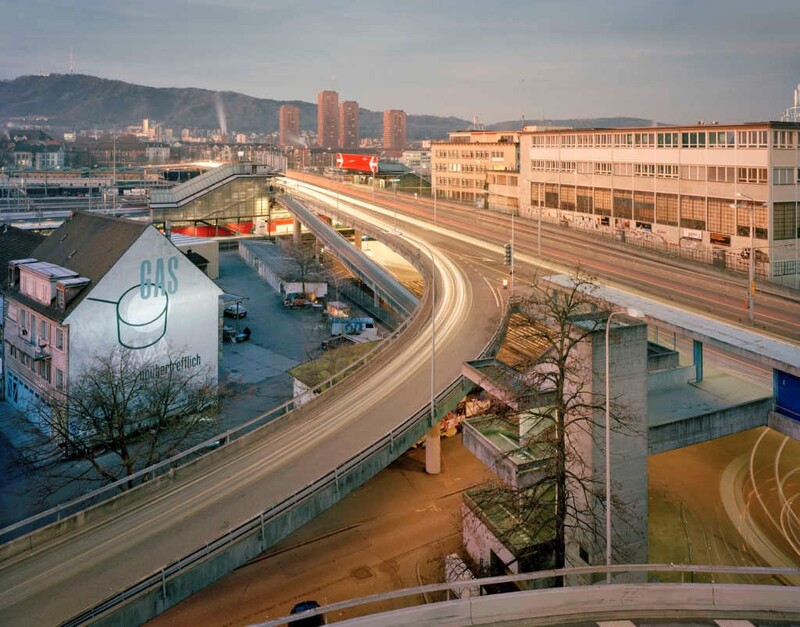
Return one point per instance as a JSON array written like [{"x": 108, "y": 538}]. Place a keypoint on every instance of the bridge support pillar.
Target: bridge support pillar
[
  {"x": 697, "y": 348},
  {"x": 297, "y": 231},
  {"x": 433, "y": 451},
  {"x": 357, "y": 239}
]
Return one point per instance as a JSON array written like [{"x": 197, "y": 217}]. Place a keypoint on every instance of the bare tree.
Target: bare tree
[
  {"x": 123, "y": 414},
  {"x": 304, "y": 266},
  {"x": 555, "y": 423}
]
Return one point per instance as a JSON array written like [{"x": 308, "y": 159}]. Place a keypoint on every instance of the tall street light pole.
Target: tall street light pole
[
  {"x": 539, "y": 222},
  {"x": 432, "y": 463},
  {"x": 633, "y": 313},
  {"x": 512, "y": 252},
  {"x": 433, "y": 191},
  {"x": 751, "y": 266},
  {"x": 433, "y": 333}
]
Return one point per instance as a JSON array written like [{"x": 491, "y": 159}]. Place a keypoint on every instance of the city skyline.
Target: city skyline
[{"x": 674, "y": 62}]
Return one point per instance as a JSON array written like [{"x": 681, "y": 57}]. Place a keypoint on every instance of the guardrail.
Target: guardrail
[
  {"x": 99, "y": 495},
  {"x": 85, "y": 501},
  {"x": 389, "y": 447},
  {"x": 393, "y": 444},
  {"x": 396, "y": 441},
  {"x": 612, "y": 598}
]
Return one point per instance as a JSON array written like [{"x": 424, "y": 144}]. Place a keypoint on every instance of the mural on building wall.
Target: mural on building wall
[{"x": 142, "y": 310}]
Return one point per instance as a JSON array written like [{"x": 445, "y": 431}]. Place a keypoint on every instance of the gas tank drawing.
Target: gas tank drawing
[{"x": 141, "y": 320}]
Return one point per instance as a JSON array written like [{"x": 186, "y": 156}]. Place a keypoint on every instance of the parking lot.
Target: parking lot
[{"x": 254, "y": 372}]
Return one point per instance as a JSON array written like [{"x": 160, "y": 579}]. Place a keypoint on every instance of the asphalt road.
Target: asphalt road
[
  {"x": 86, "y": 568},
  {"x": 62, "y": 578},
  {"x": 692, "y": 286}
]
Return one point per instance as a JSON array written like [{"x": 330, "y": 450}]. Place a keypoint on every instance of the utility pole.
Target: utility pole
[{"x": 114, "y": 173}]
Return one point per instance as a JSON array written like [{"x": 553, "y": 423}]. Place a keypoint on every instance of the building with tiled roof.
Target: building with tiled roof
[{"x": 97, "y": 285}]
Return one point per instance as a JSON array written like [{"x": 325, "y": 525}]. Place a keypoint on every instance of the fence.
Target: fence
[{"x": 176, "y": 581}]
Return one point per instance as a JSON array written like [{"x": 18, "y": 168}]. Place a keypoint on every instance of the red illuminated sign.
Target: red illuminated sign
[{"x": 359, "y": 163}]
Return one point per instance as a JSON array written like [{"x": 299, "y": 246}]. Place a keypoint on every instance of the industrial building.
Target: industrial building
[{"x": 715, "y": 193}]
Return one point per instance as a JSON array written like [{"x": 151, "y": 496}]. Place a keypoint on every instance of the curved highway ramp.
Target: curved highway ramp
[{"x": 134, "y": 556}]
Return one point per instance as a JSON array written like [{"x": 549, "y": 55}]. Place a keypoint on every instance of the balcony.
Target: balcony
[
  {"x": 19, "y": 339},
  {"x": 516, "y": 447}
]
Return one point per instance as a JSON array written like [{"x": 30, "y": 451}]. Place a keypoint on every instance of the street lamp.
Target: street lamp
[
  {"x": 751, "y": 266},
  {"x": 433, "y": 332},
  {"x": 512, "y": 252},
  {"x": 633, "y": 313},
  {"x": 433, "y": 192},
  {"x": 541, "y": 185}
]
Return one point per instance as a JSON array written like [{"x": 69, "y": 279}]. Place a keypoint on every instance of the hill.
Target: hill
[{"x": 79, "y": 101}]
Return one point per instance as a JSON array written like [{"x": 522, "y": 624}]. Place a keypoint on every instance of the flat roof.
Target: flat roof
[
  {"x": 768, "y": 351},
  {"x": 47, "y": 269},
  {"x": 713, "y": 125}
]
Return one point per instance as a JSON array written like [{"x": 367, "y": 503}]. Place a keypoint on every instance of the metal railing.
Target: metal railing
[
  {"x": 256, "y": 523},
  {"x": 396, "y": 441},
  {"x": 179, "y": 193},
  {"x": 420, "y": 595},
  {"x": 84, "y": 502},
  {"x": 98, "y": 496}
]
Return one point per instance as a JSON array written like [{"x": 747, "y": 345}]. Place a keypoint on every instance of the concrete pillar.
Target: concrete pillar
[
  {"x": 297, "y": 231},
  {"x": 357, "y": 239},
  {"x": 433, "y": 451},
  {"x": 697, "y": 348}
]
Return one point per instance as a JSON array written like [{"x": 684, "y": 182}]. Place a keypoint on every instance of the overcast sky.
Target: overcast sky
[{"x": 669, "y": 60}]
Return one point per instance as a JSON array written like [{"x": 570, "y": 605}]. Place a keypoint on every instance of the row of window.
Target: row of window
[
  {"x": 444, "y": 181},
  {"x": 41, "y": 367},
  {"x": 719, "y": 215},
  {"x": 461, "y": 167},
  {"x": 39, "y": 330},
  {"x": 469, "y": 154},
  {"x": 718, "y": 174},
  {"x": 669, "y": 139}
]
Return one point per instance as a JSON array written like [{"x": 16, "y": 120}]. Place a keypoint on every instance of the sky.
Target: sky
[{"x": 674, "y": 61}]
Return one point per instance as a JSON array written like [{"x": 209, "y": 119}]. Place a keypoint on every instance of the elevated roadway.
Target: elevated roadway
[
  {"x": 50, "y": 582},
  {"x": 400, "y": 298},
  {"x": 691, "y": 286}
]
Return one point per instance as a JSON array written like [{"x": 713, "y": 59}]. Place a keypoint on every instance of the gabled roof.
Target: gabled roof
[
  {"x": 89, "y": 244},
  {"x": 15, "y": 244}
]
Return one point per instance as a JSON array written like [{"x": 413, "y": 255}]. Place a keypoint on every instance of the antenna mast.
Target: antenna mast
[
  {"x": 71, "y": 62},
  {"x": 792, "y": 114}
]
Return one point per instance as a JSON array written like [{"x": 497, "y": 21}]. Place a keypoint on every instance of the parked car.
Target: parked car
[
  {"x": 229, "y": 334},
  {"x": 311, "y": 621},
  {"x": 235, "y": 310},
  {"x": 295, "y": 300}
]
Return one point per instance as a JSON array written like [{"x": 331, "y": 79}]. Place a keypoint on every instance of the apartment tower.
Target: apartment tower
[
  {"x": 328, "y": 120},
  {"x": 348, "y": 125},
  {"x": 394, "y": 130},
  {"x": 289, "y": 127}
]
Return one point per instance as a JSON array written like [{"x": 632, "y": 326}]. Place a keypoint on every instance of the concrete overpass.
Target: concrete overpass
[
  {"x": 672, "y": 423},
  {"x": 192, "y": 524},
  {"x": 200, "y": 499},
  {"x": 379, "y": 280}
]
